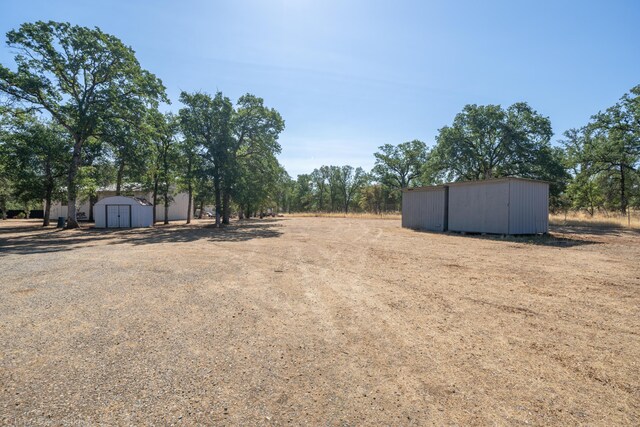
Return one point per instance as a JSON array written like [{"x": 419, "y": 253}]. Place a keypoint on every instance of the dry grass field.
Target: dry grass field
[
  {"x": 318, "y": 321},
  {"x": 599, "y": 220},
  {"x": 351, "y": 215}
]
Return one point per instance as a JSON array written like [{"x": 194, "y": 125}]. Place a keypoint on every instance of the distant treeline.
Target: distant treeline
[{"x": 593, "y": 168}]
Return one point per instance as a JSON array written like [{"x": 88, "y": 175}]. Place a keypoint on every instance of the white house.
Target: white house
[{"x": 123, "y": 212}]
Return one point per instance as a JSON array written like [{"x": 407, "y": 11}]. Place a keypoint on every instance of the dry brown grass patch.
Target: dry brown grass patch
[
  {"x": 359, "y": 215},
  {"x": 599, "y": 220}
]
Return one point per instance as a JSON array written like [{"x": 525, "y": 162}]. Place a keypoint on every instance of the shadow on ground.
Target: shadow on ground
[
  {"x": 22, "y": 226},
  {"x": 36, "y": 239},
  {"x": 556, "y": 238},
  {"x": 552, "y": 239},
  {"x": 613, "y": 231}
]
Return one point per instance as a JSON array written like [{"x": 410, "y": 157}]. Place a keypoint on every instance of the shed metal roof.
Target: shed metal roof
[
  {"x": 425, "y": 188},
  {"x": 492, "y": 180},
  {"x": 112, "y": 199},
  {"x": 480, "y": 181},
  {"x": 143, "y": 202}
]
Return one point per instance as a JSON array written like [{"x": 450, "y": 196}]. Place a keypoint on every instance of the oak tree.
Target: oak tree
[{"x": 79, "y": 76}]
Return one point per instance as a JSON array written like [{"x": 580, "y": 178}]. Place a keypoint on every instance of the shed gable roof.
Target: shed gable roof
[
  {"x": 123, "y": 200},
  {"x": 480, "y": 181}
]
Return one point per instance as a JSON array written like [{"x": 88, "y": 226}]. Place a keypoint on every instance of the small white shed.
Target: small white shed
[{"x": 123, "y": 212}]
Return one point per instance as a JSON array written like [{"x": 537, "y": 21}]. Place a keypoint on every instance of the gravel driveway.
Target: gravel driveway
[{"x": 317, "y": 321}]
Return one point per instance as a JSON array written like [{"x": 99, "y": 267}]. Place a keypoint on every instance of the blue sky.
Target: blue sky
[{"x": 349, "y": 76}]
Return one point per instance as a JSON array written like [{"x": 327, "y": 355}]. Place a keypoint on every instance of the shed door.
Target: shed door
[
  {"x": 118, "y": 216},
  {"x": 125, "y": 217},
  {"x": 112, "y": 216}
]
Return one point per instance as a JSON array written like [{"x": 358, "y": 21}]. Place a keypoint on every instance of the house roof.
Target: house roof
[{"x": 125, "y": 187}]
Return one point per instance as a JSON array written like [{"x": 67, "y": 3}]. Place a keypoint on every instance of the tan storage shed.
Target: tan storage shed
[
  {"x": 425, "y": 208},
  {"x": 500, "y": 206}
]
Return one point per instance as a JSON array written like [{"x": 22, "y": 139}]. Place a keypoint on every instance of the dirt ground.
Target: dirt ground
[{"x": 317, "y": 321}]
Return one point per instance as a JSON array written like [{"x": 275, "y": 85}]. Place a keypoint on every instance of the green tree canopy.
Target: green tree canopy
[
  {"x": 238, "y": 143},
  {"x": 206, "y": 122},
  {"x": 165, "y": 156},
  {"x": 400, "y": 166},
  {"x": 255, "y": 129},
  {"x": 350, "y": 181},
  {"x": 36, "y": 155},
  {"x": 604, "y": 157},
  {"x": 486, "y": 141},
  {"x": 81, "y": 77}
]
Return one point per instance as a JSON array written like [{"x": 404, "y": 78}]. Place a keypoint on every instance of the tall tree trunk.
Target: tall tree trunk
[
  {"x": 165, "y": 184},
  {"x": 47, "y": 206},
  {"x": 48, "y": 194},
  {"x": 346, "y": 200},
  {"x": 166, "y": 203},
  {"x": 72, "y": 189},
  {"x": 623, "y": 195},
  {"x": 155, "y": 198},
  {"x": 217, "y": 190},
  {"x": 190, "y": 191},
  {"x": 226, "y": 200},
  {"x": 93, "y": 199},
  {"x": 119, "y": 178},
  {"x": 201, "y": 208},
  {"x": 334, "y": 204}
]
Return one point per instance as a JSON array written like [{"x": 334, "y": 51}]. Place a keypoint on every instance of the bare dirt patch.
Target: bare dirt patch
[{"x": 318, "y": 321}]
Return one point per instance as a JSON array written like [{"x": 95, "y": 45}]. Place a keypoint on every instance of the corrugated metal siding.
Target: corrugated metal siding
[
  {"x": 177, "y": 207},
  {"x": 503, "y": 206},
  {"x": 529, "y": 207},
  {"x": 479, "y": 207},
  {"x": 82, "y": 211},
  {"x": 425, "y": 209},
  {"x": 141, "y": 216}
]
